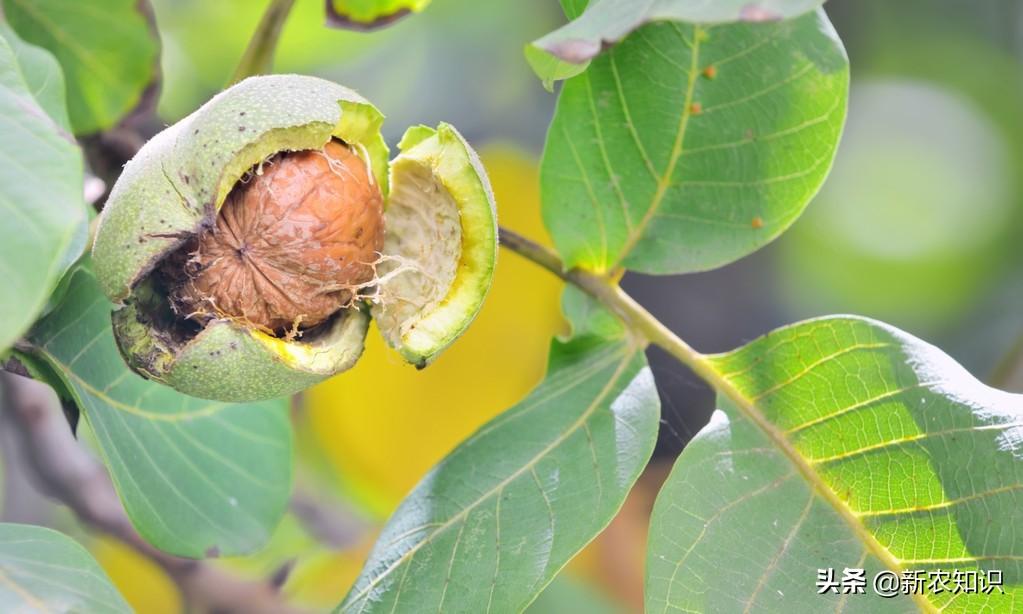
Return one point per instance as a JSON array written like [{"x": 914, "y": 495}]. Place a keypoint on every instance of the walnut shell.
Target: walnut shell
[{"x": 291, "y": 245}]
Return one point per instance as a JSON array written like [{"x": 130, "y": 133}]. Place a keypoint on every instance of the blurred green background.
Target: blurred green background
[{"x": 918, "y": 225}]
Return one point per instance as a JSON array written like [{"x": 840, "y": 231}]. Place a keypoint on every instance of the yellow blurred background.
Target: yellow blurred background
[{"x": 383, "y": 424}]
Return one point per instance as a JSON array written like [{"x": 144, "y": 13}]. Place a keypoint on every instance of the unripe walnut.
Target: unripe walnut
[{"x": 291, "y": 245}]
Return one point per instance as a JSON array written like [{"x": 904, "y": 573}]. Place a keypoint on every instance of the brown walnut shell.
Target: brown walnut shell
[{"x": 291, "y": 244}]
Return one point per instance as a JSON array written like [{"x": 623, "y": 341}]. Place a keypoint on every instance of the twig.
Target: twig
[
  {"x": 63, "y": 470},
  {"x": 642, "y": 323},
  {"x": 259, "y": 55},
  {"x": 606, "y": 291},
  {"x": 330, "y": 521},
  {"x": 1008, "y": 372}
]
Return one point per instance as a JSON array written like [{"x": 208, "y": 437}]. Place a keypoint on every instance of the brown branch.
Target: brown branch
[
  {"x": 329, "y": 521},
  {"x": 1008, "y": 372},
  {"x": 65, "y": 471}
]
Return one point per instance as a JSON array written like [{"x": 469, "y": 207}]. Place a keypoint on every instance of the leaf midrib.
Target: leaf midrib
[
  {"x": 26, "y": 595},
  {"x": 79, "y": 381},
  {"x": 664, "y": 181},
  {"x": 626, "y": 358},
  {"x": 749, "y": 408}
]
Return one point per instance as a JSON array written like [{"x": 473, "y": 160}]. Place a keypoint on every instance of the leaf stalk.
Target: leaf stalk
[
  {"x": 259, "y": 55},
  {"x": 604, "y": 289},
  {"x": 644, "y": 325}
]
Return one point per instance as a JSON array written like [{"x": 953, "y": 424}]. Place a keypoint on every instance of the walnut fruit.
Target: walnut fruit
[
  {"x": 246, "y": 247},
  {"x": 291, "y": 246}
]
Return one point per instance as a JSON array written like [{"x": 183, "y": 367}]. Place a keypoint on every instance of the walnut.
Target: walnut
[
  {"x": 244, "y": 247},
  {"x": 292, "y": 244}
]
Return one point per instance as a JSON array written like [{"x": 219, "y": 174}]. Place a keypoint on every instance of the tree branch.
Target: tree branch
[
  {"x": 1008, "y": 372},
  {"x": 259, "y": 55},
  {"x": 640, "y": 321},
  {"x": 65, "y": 471}
]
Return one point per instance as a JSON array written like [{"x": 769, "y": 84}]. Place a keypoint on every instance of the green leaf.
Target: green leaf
[
  {"x": 587, "y": 317},
  {"x": 42, "y": 75},
  {"x": 44, "y": 571},
  {"x": 489, "y": 527},
  {"x": 840, "y": 443},
  {"x": 40, "y": 186},
  {"x": 197, "y": 478},
  {"x": 605, "y": 22},
  {"x": 549, "y": 67},
  {"x": 106, "y": 47},
  {"x": 45, "y": 81},
  {"x": 568, "y": 594},
  {"x": 686, "y": 148},
  {"x": 370, "y": 14}
]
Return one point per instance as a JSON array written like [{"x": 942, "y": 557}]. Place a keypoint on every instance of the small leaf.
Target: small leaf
[
  {"x": 197, "y": 478},
  {"x": 491, "y": 525},
  {"x": 370, "y": 14},
  {"x": 840, "y": 443},
  {"x": 587, "y": 317},
  {"x": 606, "y": 22},
  {"x": 106, "y": 47},
  {"x": 44, "y": 571},
  {"x": 40, "y": 186},
  {"x": 687, "y": 147},
  {"x": 549, "y": 67}
]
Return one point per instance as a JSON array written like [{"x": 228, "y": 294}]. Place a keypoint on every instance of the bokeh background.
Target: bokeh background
[{"x": 919, "y": 225}]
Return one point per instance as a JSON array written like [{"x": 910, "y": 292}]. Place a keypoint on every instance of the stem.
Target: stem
[
  {"x": 62, "y": 469},
  {"x": 609, "y": 294},
  {"x": 259, "y": 55},
  {"x": 642, "y": 323},
  {"x": 1008, "y": 372}
]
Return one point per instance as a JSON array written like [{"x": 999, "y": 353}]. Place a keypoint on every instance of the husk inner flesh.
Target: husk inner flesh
[{"x": 422, "y": 249}]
